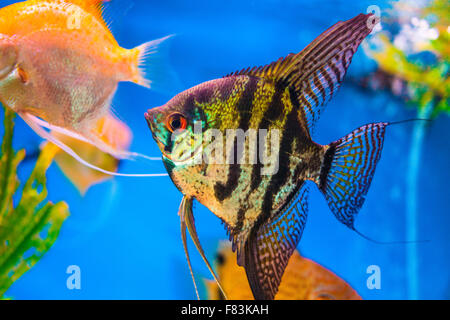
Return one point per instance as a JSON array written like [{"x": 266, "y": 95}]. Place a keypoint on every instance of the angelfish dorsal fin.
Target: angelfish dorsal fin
[
  {"x": 316, "y": 73},
  {"x": 94, "y": 7}
]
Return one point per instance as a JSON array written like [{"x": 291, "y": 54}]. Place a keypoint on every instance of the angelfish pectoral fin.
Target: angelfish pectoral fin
[
  {"x": 187, "y": 221},
  {"x": 269, "y": 247}
]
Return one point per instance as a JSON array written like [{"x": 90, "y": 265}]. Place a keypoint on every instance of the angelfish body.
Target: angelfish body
[
  {"x": 59, "y": 62},
  {"x": 237, "y": 193},
  {"x": 265, "y": 213}
]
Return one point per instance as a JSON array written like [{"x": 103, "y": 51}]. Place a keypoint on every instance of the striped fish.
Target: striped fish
[{"x": 265, "y": 214}]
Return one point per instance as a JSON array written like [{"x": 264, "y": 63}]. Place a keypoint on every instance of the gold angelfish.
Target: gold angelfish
[{"x": 60, "y": 66}]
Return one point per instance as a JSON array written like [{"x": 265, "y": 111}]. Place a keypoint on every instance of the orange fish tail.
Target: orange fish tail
[{"x": 140, "y": 60}]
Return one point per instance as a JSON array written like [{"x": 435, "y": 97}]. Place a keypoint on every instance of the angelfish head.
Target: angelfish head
[{"x": 177, "y": 129}]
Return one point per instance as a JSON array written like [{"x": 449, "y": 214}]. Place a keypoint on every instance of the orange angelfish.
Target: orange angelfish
[
  {"x": 303, "y": 280},
  {"x": 59, "y": 69}
]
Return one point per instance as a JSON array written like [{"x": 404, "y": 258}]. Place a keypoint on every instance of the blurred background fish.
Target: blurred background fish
[
  {"x": 114, "y": 133},
  {"x": 59, "y": 69},
  {"x": 303, "y": 279}
]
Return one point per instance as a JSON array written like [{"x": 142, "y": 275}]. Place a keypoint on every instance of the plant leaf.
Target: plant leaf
[{"x": 29, "y": 229}]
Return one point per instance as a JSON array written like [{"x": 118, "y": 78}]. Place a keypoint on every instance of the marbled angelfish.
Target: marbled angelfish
[{"x": 265, "y": 213}]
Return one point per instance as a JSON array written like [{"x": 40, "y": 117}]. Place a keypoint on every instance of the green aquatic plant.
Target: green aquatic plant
[
  {"x": 424, "y": 83},
  {"x": 426, "y": 33},
  {"x": 427, "y": 82},
  {"x": 29, "y": 225}
]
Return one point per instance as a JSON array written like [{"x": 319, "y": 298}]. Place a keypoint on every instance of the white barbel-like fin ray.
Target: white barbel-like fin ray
[
  {"x": 187, "y": 221},
  {"x": 99, "y": 144},
  {"x": 37, "y": 125},
  {"x": 186, "y": 252}
]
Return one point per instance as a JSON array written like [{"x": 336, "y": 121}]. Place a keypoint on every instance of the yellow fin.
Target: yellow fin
[{"x": 94, "y": 7}]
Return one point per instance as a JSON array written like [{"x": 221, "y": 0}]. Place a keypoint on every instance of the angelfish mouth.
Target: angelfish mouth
[{"x": 149, "y": 119}]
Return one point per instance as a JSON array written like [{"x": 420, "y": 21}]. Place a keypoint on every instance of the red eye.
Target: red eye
[{"x": 176, "y": 121}]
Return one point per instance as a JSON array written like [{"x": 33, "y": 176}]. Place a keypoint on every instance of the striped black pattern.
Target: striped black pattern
[
  {"x": 273, "y": 112},
  {"x": 224, "y": 190}
]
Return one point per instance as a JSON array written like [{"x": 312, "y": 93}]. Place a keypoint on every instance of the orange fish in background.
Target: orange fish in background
[
  {"x": 114, "y": 133},
  {"x": 303, "y": 280},
  {"x": 60, "y": 67}
]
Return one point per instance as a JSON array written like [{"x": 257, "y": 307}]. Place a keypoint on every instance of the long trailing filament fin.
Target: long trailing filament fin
[
  {"x": 119, "y": 154},
  {"x": 186, "y": 252},
  {"x": 389, "y": 242},
  {"x": 35, "y": 125},
  {"x": 187, "y": 220}
]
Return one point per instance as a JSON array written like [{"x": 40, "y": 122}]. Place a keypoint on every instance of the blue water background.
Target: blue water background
[{"x": 124, "y": 234}]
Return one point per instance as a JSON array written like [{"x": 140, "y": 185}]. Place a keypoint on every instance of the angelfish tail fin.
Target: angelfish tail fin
[{"x": 347, "y": 170}]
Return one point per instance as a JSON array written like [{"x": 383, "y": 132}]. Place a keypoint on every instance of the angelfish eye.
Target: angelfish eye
[
  {"x": 176, "y": 121},
  {"x": 23, "y": 75}
]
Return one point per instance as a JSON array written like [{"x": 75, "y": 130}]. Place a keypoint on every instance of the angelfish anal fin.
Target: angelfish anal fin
[
  {"x": 268, "y": 248},
  {"x": 187, "y": 221}
]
